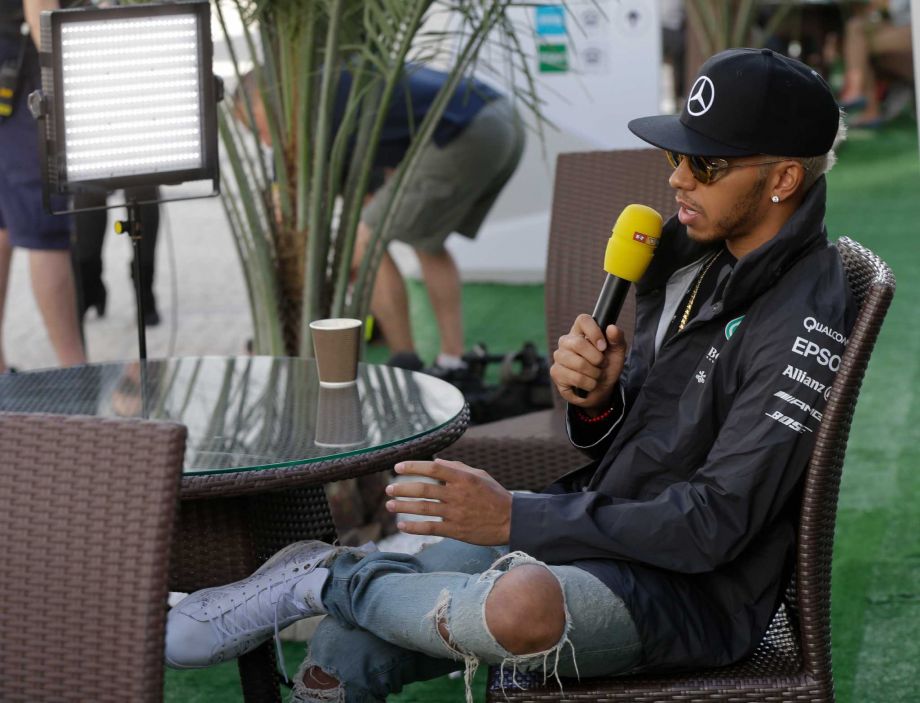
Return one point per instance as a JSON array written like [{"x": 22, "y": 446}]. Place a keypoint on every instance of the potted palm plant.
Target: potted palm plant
[{"x": 294, "y": 211}]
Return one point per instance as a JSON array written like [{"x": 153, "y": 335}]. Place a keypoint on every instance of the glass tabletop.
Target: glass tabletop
[{"x": 249, "y": 412}]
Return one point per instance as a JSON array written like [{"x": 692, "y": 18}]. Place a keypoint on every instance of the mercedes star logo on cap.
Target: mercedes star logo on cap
[
  {"x": 768, "y": 104},
  {"x": 701, "y": 96}
]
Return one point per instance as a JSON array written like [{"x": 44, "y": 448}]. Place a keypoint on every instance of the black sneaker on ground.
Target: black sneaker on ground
[
  {"x": 406, "y": 360},
  {"x": 465, "y": 378}
]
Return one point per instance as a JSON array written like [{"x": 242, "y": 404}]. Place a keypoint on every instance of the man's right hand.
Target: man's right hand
[{"x": 586, "y": 358}]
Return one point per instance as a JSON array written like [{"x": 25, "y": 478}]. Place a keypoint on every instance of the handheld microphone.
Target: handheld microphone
[{"x": 629, "y": 252}]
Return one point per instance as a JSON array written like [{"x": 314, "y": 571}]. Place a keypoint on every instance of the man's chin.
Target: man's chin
[{"x": 698, "y": 235}]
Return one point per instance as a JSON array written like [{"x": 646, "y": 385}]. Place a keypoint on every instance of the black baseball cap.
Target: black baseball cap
[{"x": 746, "y": 102}]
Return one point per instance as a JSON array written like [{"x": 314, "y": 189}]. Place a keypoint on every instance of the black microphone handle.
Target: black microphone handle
[
  {"x": 610, "y": 301},
  {"x": 607, "y": 309}
]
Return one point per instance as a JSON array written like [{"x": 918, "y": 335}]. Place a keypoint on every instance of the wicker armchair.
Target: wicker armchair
[
  {"x": 87, "y": 508},
  {"x": 591, "y": 189},
  {"x": 793, "y": 662}
]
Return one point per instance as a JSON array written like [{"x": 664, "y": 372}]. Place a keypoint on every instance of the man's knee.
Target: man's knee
[{"x": 525, "y": 611}]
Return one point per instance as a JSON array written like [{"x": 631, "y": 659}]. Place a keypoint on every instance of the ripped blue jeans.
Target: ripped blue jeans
[{"x": 384, "y": 609}]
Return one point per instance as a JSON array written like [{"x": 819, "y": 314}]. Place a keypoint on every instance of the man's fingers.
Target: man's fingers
[
  {"x": 440, "y": 469},
  {"x": 615, "y": 336},
  {"x": 455, "y": 465},
  {"x": 422, "y": 527},
  {"x": 580, "y": 347},
  {"x": 586, "y": 327},
  {"x": 570, "y": 361},
  {"x": 417, "y": 489},
  {"x": 567, "y": 379},
  {"x": 423, "y": 468},
  {"x": 425, "y": 508}
]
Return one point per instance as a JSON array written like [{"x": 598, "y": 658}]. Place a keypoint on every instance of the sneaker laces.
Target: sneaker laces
[
  {"x": 226, "y": 627},
  {"x": 279, "y": 651},
  {"x": 223, "y": 627}
]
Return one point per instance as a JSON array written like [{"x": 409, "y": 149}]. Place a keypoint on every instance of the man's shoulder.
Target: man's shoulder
[
  {"x": 812, "y": 298},
  {"x": 817, "y": 281}
]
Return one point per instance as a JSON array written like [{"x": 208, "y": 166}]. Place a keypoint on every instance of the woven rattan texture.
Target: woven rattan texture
[
  {"x": 284, "y": 517},
  {"x": 87, "y": 507},
  {"x": 590, "y": 191},
  {"x": 793, "y": 662}
]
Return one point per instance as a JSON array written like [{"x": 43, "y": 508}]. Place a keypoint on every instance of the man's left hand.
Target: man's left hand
[{"x": 473, "y": 506}]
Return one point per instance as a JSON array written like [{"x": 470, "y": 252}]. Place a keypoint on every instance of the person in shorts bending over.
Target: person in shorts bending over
[{"x": 475, "y": 149}]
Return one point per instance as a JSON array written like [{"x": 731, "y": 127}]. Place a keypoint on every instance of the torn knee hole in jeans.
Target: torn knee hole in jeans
[
  {"x": 321, "y": 695},
  {"x": 470, "y": 661},
  {"x": 303, "y": 692},
  {"x": 530, "y": 661}
]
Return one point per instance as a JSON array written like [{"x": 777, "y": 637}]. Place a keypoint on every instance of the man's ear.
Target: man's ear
[{"x": 788, "y": 179}]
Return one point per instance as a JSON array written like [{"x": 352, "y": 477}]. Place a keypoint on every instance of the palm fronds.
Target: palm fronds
[{"x": 294, "y": 212}]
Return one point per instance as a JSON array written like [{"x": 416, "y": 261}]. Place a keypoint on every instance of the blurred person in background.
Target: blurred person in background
[
  {"x": 674, "y": 43},
  {"x": 877, "y": 38},
  {"x": 24, "y": 223},
  {"x": 87, "y": 251},
  {"x": 475, "y": 149}
]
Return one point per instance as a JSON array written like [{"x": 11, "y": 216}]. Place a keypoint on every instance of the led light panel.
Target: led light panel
[
  {"x": 128, "y": 97},
  {"x": 130, "y": 93}
]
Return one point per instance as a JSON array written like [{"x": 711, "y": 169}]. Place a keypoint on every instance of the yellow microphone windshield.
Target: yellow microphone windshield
[{"x": 632, "y": 242}]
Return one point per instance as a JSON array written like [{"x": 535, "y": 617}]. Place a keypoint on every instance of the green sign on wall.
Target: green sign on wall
[{"x": 553, "y": 58}]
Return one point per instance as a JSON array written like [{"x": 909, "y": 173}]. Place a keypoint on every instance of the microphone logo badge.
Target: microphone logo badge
[
  {"x": 645, "y": 239},
  {"x": 702, "y": 94}
]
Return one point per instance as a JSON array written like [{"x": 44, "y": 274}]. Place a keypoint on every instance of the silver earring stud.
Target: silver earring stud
[{"x": 775, "y": 198}]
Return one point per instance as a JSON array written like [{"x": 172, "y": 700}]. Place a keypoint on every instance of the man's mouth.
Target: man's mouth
[{"x": 688, "y": 212}]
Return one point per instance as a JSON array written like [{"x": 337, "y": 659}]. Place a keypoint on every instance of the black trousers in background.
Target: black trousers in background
[{"x": 86, "y": 249}]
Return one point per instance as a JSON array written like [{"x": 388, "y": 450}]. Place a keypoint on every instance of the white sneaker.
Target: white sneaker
[{"x": 217, "y": 624}]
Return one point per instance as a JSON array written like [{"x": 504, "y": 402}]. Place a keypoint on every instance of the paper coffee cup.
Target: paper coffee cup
[{"x": 336, "y": 344}]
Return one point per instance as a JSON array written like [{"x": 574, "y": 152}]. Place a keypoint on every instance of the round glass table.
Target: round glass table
[
  {"x": 248, "y": 413},
  {"x": 263, "y": 438}
]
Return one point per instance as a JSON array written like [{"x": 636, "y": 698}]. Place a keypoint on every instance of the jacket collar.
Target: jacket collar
[{"x": 758, "y": 270}]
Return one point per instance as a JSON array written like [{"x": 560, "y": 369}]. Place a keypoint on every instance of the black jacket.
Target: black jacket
[{"x": 689, "y": 511}]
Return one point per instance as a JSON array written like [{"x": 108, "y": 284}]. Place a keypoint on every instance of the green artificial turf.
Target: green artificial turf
[
  {"x": 221, "y": 684},
  {"x": 500, "y": 317},
  {"x": 874, "y": 197}
]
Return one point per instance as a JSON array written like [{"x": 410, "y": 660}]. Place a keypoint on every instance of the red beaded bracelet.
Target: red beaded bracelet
[{"x": 584, "y": 417}]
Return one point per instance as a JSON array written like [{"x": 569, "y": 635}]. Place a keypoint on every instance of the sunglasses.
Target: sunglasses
[{"x": 706, "y": 169}]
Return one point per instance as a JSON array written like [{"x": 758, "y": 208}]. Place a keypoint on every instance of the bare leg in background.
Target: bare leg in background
[
  {"x": 6, "y": 255},
  {"x": 864, "y": 39},
  {"x": 390, "y": 301},
  {"x": 53, "y": 286},
  {"x": 442, "y": 279}
]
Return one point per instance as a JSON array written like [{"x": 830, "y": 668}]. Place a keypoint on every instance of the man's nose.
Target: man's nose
[{"x": 682, "y": 178}]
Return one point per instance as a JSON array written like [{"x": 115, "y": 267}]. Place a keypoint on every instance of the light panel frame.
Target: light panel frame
[{"x": 58, "y": 178}]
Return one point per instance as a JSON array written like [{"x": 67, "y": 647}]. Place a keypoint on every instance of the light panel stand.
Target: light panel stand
[{"x": 128, "y": 99}]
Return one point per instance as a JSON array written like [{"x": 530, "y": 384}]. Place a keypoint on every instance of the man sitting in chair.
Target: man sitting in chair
[{"x": 672, "y": 549}]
